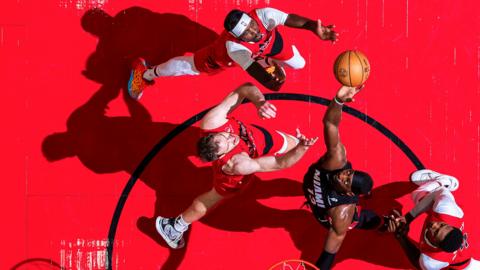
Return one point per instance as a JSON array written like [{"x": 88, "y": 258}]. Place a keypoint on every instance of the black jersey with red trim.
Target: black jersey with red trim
[{"x": 319, "y": 190}]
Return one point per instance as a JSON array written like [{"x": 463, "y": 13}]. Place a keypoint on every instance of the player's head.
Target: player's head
[
  {"x": 215, "y": 145},
  {"x": 97, "y": 22},
  {"x": 348, "y": 180},
  {"x": 58, "y": 146},
  {"x": 240, "y": 25},
  {"x": 443, "y": 236}
]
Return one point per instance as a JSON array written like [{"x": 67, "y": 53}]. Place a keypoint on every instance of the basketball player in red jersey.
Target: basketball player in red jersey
[
  {"x": 444, "y": 238},
  {"x": 251, "y": 40},
  {"x": 237, "y": 150}
]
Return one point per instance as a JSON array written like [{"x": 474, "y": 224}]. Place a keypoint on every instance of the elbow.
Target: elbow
[
  {"x": 327, "y": 122},
  {"x": 244, "y": 86},
  {"x": 247, "y": 84},
  {"x": 283, "y": 164}
]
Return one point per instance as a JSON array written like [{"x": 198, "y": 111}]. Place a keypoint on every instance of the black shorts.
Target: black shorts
[{"x": 365, "y": 220}]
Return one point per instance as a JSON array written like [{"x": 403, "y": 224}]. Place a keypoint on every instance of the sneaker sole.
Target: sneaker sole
[{"x": 129, "y": 86}]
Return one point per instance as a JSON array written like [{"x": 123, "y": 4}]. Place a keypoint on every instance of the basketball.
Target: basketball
[{"x": 351, "y": 68}]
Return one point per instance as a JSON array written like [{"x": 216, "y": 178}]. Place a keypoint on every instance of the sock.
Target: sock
[
  {"x": 150, "y": 74},
  {"x": 180, "y": 224}
]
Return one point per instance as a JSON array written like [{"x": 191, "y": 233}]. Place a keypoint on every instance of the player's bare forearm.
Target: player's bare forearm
[
  {"x": 273, "y": 163},
  {"x": 297, "y": 21},
  {"x": 292, "y": 156},
  {"x": 250, "y": 92},
  {"x": 333, "y": 115}
]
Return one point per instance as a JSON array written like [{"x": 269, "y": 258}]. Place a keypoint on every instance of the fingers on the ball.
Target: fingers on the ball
[{"x": 360, "y": 87}]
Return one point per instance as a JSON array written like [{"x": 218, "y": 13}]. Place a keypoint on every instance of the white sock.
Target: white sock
[
  {"x": 180, "y": 224},
  {"x": 177, "y": 66},
  {"x": 149, "y": 74}
]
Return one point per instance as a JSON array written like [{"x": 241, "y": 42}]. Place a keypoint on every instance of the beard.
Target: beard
[{"x": 258, "y": 37}]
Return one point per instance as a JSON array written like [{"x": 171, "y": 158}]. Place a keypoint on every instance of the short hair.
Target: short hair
[
  {"x": 232, "y": 18},
  {"x": 362, "y": 183},
  {"x": 452, "y": 241},
  {"x": 207, "y": 149}
]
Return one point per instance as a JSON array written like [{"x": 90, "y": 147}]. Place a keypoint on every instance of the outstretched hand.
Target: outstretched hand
[
  {"x": 304, "y": 141},
  {"x": 326, "y": 32},
  {"x": 346, "y": 93}
]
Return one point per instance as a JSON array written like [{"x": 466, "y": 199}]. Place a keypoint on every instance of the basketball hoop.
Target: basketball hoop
[{"x": 293, "y": 265}]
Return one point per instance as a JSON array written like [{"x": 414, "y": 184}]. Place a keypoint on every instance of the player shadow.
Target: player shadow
[
  {"x": 107, "y": 144},
  {"x": 138, "y": 32}
]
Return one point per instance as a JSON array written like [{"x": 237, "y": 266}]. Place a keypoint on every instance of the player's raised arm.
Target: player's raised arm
[{"x": 217, "y": 116}]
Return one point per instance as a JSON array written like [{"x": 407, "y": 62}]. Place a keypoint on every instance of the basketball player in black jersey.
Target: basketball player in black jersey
[{"x": 332, "y": 187}]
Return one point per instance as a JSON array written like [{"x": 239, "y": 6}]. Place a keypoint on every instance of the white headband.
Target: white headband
[{"x": 242, "y": 24}]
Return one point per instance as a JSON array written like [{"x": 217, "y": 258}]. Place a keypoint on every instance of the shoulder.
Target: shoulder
[
  {"x": 233, "y": 46},
  {"x": 333, "y": 161},
  {"x": 271, "y": 17},
  {"x": 239, "y": 164},
  {"x": 269, "y": 13},
  {"x": 213, "y": 123},
  {"x": 429, "y": 263}
]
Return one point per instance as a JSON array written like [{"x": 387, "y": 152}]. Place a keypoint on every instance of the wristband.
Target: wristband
[{"x": 337, "y": 101}]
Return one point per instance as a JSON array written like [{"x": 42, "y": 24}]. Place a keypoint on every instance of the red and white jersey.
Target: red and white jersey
[
  {"x": 445, "y": 209},
  {"x": 244, "y": 53},
  {"x": 253, "y": 141},
  {"x": 227, "y": 49}
]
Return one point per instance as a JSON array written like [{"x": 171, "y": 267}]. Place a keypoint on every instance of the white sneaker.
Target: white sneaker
[
  {"x": 450, "y": 182},
  {"x": 421, "y": 177},
  {"x": 165, "y": 227}
]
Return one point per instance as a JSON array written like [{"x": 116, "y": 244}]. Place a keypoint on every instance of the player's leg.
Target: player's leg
[
  {"x": 141, "y": 76},
  {"x": 177, "y": 66},
  {"x": 290, "y": 57},
  {"x": 172, "y": 229}
]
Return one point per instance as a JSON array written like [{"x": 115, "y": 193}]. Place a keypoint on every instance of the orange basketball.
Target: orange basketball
[{"x": 351, "y": 68}]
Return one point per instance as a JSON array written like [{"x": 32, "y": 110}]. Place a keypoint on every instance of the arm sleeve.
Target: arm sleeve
[
  {"x": 271, "y": 17},
  {"x": 240, "y": 54},
  {"x": 445, "y": 204},
  {"x": 428, "y": 263},
  {"x": 424, "y": 204}
]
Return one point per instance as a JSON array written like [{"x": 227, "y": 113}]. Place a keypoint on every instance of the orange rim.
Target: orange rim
[{"x": 294, "y": 261}]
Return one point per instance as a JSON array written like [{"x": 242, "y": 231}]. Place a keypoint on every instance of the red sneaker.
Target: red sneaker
[{"x": 136, "y": 83}]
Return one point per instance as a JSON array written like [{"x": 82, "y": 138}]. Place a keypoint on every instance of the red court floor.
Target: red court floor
[{"x": 72, "y": 142}]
